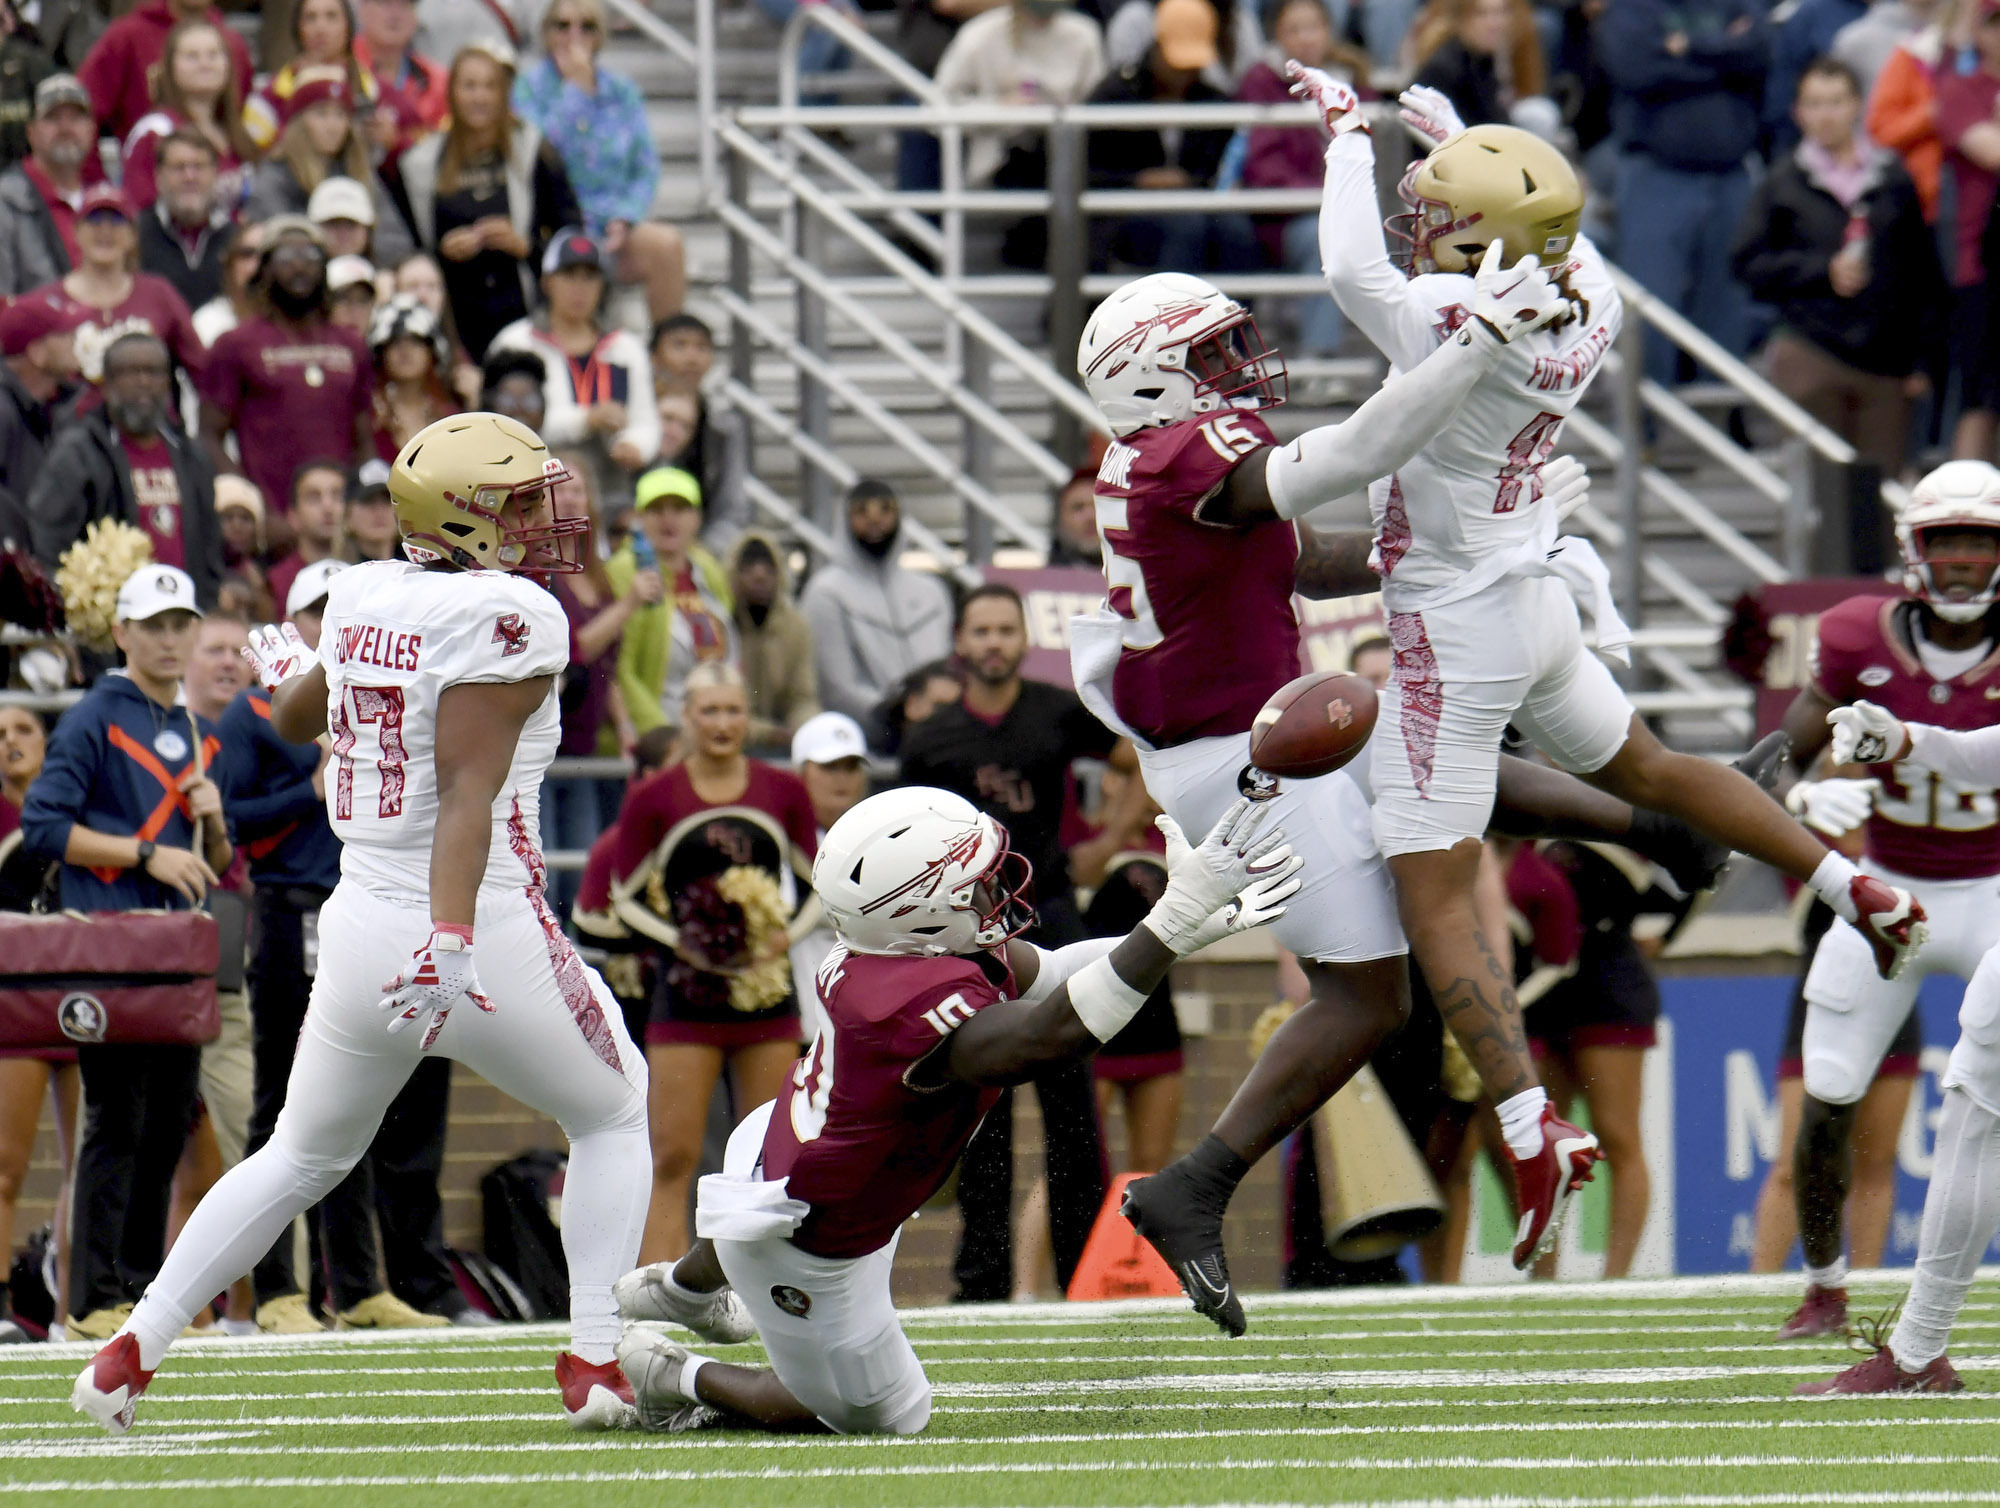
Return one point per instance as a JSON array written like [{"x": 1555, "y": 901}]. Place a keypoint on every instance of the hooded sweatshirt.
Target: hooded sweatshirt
[
  {"x": 658, "y": 647},
  {"x": 776, "y": 655},
  {"x": 872, "y": 624}
]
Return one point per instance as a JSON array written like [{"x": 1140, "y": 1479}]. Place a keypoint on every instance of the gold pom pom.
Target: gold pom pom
[
  {"x": 767, "y": 980},
  {"x": 93, "y": 571},
  {"x": 1266, "y": 1027}
]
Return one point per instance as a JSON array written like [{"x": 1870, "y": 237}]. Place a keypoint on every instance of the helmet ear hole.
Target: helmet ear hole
[
  {"x": 451, "y": 526},
  {"x": 854, "y": 874}
]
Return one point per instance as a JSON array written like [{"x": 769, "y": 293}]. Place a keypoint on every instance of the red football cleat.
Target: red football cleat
[
  {"x": 1824, "y": 1312},
  {"x": 595, "y": 1396},
  {"x": 1891, "y": 919},
  {"x": 1545, "y": 1183},
  {"x": 1880, "y": 1374},
  {"x": 110, "y": 1386}
]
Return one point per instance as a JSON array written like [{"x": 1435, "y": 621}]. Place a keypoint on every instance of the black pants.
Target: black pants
[{"x": 138, "y": 1104}]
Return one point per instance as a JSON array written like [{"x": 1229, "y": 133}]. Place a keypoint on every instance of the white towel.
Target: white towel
[
  {"x": 740, "y": 1207},
  {"x": 1575, "y": 563}
]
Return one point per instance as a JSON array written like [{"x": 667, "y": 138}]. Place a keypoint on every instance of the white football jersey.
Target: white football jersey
[
  {"x": 394, "y": 637},
  {"x": 1465, "y": 511}
]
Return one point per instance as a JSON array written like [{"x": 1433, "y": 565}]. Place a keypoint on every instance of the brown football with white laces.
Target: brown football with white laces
[{"x": 1313, "y": 725}]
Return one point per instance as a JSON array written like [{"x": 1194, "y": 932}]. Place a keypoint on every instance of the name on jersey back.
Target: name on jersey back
[{"x": 384, "y": 648}]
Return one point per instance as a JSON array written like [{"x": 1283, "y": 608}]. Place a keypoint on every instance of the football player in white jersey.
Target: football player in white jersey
[
  {"x": 436, "y": 677},
  {"x": 1485, "y": 632}
]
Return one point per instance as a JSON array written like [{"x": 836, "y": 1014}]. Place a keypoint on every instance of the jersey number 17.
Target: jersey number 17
[{"x": 380, "y": 709}]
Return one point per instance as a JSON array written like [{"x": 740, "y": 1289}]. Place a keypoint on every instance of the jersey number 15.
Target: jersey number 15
[{"x": 380, "y": 709}]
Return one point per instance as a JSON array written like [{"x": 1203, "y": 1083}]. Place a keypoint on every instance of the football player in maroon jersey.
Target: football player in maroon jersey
[{"x": 931, "y": 1006}]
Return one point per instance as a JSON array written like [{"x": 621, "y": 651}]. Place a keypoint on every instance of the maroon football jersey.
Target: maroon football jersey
[
  {"x": 859, "y": 1144},
  {"x": 1211, "y": 632},
  {"x": 1924, "y": 826}
]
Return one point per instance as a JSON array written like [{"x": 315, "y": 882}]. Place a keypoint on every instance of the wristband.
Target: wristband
[
  {"x": 453, "y": 929},
  {"x": 1102, "y": 1000}
]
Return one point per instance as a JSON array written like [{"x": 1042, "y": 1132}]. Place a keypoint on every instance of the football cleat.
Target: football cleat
[
  {"x": 1545, "y": 1183},
  {"x": 108, "y": 1389},
  {"x": 1891, "y": 919},
  {"x": 1187, "y": 1233},
  {"x": 595, "y": 1396},
  {"x": 650, "y": 1293},
  {"x": 1824, "y": 1312},
  {"x": 654, "y": 1364},
  {"x": 1880, "y": 1374}
]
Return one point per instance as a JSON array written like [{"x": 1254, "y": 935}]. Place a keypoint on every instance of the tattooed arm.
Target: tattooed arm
[{"x": 1334, "y": 565}]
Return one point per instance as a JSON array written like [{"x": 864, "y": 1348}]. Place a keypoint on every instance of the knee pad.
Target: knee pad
[{"x": 1833, "y": 1082}]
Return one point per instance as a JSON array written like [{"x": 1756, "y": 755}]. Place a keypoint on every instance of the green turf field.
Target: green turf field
[{"x": 1660, "y": 1393}]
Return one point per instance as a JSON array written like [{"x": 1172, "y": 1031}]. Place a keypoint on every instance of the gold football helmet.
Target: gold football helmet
[
  {"x": 478, "y": 490},
  {"x": 1488, "y": 183}
]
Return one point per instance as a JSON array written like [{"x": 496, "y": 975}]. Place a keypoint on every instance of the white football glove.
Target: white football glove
[
  {"x": 440, "y": 974},
  {"x": 1429, "y": 115},
  {"x": 1258, "y": 904},
  {"x": 1338, "y": 105},
  {"x": 1865, "y": 734},
  {"x": 1565, "y": 485},
  {"x": 1511, "y": 301},
  {"x": 1203, "y": 880},
  {"x": 277, "y": 653},
  {"x": 1832, "y": 807}
]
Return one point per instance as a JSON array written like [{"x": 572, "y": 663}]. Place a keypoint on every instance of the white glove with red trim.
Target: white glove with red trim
[
  {"x": 439, "y": 976},
  {"x": 1338, "y": 105},
  {"x": 1511, "y": 301},
  {"x": 1429, "y": 115},
  {"x": 277, "y": 653}
]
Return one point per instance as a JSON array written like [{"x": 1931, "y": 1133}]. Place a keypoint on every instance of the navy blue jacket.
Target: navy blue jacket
[
  {"x": 114, "y": 764},
  {"x": 1700, "y": 111},
  {"x": 1807, "y": 33},
  {"x": 279, "y": 821}
]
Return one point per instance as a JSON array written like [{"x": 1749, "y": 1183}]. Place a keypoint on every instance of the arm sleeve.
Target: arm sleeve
[
  {"x": 1970, "y": 758},
  {"x": 1057, "y": 967},
  {"x": 839, "y": 685},
  {"x": 256, "y": 803},
  {"x": 1381, "y": 435},
  {"x": 56, "y": 800},
  {"x": 1770, "y": 261},
  {"x": 1364, "y": 282},
  {"x": 640, "y": 828}
]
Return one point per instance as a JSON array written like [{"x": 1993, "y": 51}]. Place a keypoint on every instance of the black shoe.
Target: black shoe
[{"x": 1179, "y": 1225}]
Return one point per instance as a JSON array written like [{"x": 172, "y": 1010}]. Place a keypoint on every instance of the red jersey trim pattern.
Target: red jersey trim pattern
[
  {"x": 571, "y": 979},
  {"x": 1422, "y": 687}
]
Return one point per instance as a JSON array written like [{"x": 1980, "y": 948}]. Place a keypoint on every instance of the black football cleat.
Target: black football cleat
[{"x": 1181, "y": 1226}]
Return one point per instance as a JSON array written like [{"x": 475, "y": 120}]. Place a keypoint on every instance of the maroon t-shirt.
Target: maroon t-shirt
[
  {"x": 1923, "y": 826},
  {"x": 655, "y": 807},
  {"x": 859, "y": 1143},
  {"x": 1212, "y": 632},
  {"x": 157, "y": 493},
  {"x": 291, "y": 398},
  {"x": 155, "y": 305}
]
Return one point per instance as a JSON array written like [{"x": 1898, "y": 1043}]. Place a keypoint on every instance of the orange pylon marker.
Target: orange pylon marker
[{"x": 1116, "y": 1262}]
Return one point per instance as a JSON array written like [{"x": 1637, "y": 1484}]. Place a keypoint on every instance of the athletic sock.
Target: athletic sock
[
  {"x": 594, "y": 1326},
  {"x": 1832, "y": 883},
  {"x": 691, "y": 1369},
  {"x": 1214, "y": 1171},
  {"x": 1833, "y": 1275},
  {"x": 1521, "y": 1121},
  {"x": 1960, "y": 1213}
]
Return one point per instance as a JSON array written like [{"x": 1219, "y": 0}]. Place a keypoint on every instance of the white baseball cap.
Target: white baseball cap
[
  {"x": 155, "y": 589},
  {"x": 343, "y": 273},
  {"x": 310, "y": 584},
  {"x": 341, "y": 199},
  {"x": 828, "y": 737}
]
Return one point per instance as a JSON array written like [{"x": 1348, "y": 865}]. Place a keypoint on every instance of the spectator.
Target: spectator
[
  {"x": 596, "y": 398},
  {"x": 1687, "y": 85},
  {"x": 924, "y": 30},
  {"x": 411, "y": 358},
  {"x": 1968, "y": 122},
  {"x": 65, "y": 29},
  {"x": 1073, "y": 537},
  {"x": 184, "y": 235},
  {"x": 1373, "y": 659},
  {"x": 119, "y": 70},
  {"x": 369, "y": 522},
  {"x": 23, "y": 66},
  {"x": 319, "y": 503},
  {"x": 243, "y": 251},
  {"x": 198, "y": 95},
  {"x": 319, "y": 142},
  {"x": 1902, "y": 107},
  {"x": 1295, "y": 157},
  {"x": 718, "y": 450},
  {"x": 872, "y": 621},
  {"x": 1865, "y": 45},
  {"x": 514, "y": 383},
  {"x": 139, "y": 822},
  {"x": 1151, "y": 157},
  {"x": 239, "y": 516},
  {"x": 1007, "y": 747},
  {"x": 1484, "y": 56},
  {"x": 596, "y": 121},
  {"x": 831, "y": 758},
  {"x": 1798, "y": 36},
  {"x": 288, "y": 383},
  {"x": 419, "y": 276},
  {"x": 1128, "y": 36},
  {"x": 691, "y": 626},
  {"x": 323, "y": 36},
  {"x": 445, "y": 28},
  {"x": 350, "y": 283},
  {"x": 1835, "y": 239},
  {"x": 761, "y": 819},
  {"x": 127, "y": 460},
  {"x": 774, "y": 646},
  {"x": 110, "y": 296},
  {"x": 1026, "y": 52},
  {"x": 912, "y": 700},
  {"x": 41, "y": 196},
  {"x": 410, "y": 88},
  {"x": 344, "y": 211},
  {"x": 487, "y": 196},
  {"x": 37, "y": 383}
]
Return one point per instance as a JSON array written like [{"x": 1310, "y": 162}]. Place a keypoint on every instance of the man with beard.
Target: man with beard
[
  {"x": 42, "y": 195},
  {"x": 183, "y": 237},
  {"x": 125, "y": 461},
  {"x": 1007, "y": 746},
  {"x": 288, "y": 382}
]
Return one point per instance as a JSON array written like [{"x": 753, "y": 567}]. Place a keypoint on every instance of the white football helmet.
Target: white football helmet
[
  {"x": 920, "y": 872},
  {"x": 1168, "y": 347},
  {"x": 1958, "y": 495}
]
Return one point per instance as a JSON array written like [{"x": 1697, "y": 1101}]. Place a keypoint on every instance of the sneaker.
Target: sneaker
[
  {"x": 1187, "y": 1233},
  {"x": 1545, "y": 1183},
  {"x": 99, "y": 1324},
  {"x": 654, "y": 1364},
  {"x": 1891, "y": 919},
  {"x": 1824, "y": 1312},
  {"x": 108, "y": 1389},
  {"x": 384, "y": 1311},
  {"x": 472, "y": 1318},
  {"x": 594, "y": 1396},
  {"x": 12, "y": 1334},
  {"x": 1880, "y": 1374},
  {"x": 289, "y": 1315},
  {"x": 237, "y": 1328},
  {"x": 650, "y": 1293}
]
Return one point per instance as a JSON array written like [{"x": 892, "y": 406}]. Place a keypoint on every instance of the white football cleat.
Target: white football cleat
[
  {"x": 595, "y": 1396},
  {"x": 650, "y": 1293}
]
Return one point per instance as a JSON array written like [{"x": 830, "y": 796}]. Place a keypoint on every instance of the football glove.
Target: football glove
[
  {"x": 1511, "y": 301},
  {"x": 1865, "y": 734},
  {"x": 1565, "y": 485},
  {"x": 440, "y": 974},
  {"x": 1429, "y": 115},
  {"x": 1258, "y": 904},
  {"x": 1338, "y": 105},
  {"x": 1832, "y": 807},
  {"x": 1203, "y": 880},
  {"x": 277, "y": 653}
]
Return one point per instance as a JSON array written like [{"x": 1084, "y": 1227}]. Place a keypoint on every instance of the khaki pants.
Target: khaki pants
[
  {"x": 227, "y": 1077},
  {"x": 1871, "y": 413}
]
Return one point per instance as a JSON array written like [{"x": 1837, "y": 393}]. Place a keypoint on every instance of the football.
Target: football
[{"x": 1313, "y": 725}]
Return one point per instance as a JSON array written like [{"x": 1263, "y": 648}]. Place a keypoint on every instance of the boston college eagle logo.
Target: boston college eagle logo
[{"x": 508, "y": 629}]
